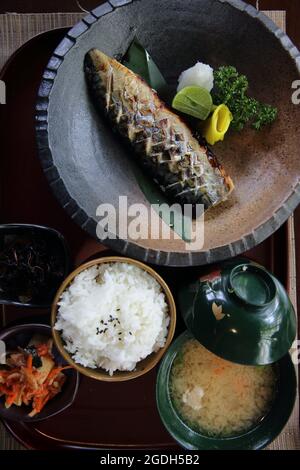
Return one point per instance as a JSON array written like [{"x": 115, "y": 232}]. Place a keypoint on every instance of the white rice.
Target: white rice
[
  {"x": 112, "y": 316},
  {"x": 199, "y": 75}
]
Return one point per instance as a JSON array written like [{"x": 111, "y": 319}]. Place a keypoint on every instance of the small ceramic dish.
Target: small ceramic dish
[
  {"x": 143, "y": 366},
  {"x": 53, "y": 247},
  {"x": 256, "y": 438},
  {"x": 20, "y": 335}
]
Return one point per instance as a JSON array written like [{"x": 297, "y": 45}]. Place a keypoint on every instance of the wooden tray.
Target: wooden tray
[{"x": 104, "y": 415}]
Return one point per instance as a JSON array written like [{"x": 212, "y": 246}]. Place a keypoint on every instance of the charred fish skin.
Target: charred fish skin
[{"x": 164, "y": 145}]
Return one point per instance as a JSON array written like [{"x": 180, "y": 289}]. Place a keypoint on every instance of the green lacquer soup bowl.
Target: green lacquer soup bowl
[{"x": 258, "y": 437}]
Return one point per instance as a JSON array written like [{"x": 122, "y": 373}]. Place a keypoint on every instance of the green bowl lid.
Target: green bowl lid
[{"x": 240, "y": 312}]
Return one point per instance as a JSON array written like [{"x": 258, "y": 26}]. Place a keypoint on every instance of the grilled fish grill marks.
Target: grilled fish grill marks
[{"x": 186, "y": 170}]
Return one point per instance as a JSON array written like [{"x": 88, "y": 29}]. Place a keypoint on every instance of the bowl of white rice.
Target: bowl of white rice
[{"x": 113, "y": 318}]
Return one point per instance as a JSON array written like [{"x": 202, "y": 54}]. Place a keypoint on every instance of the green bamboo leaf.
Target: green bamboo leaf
[
  {"x": 138, "y": 59},
  {"x": 180, "y": 223}
]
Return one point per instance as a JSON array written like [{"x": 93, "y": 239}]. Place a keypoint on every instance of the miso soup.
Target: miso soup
[{"x": 217, "y": 397}]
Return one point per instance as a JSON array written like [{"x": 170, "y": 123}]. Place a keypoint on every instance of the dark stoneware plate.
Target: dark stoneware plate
[{"x": 87, "y": 165}]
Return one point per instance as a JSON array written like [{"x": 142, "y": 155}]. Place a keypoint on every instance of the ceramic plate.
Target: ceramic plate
[{"x": 87, "y": 165}]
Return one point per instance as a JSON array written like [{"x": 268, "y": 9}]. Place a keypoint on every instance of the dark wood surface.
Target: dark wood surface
[{"x": 129, "y": 402}]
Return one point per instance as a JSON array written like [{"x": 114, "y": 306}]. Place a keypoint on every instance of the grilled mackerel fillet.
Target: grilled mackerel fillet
[{"x": 184, "y": 169}]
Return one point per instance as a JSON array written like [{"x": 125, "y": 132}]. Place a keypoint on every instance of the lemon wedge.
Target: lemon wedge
[{"x": 193, "y": 100}]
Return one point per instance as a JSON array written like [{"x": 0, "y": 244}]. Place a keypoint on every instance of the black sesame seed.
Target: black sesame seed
[{"x": 130, "y": 333}]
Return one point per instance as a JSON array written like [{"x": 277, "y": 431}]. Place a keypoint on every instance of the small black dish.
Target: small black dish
[
  {"x": 20, "y": 335},
  {"x": 48, "y": 245}
]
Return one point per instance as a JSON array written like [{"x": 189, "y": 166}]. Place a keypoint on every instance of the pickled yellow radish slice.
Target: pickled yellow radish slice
[{"x": 215, "y": 128}]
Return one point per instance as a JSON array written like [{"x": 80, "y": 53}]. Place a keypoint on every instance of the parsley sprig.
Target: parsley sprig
[{"x": 230, "y": 88}]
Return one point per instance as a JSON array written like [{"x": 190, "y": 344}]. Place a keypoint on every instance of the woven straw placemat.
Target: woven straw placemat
[{"x": 15, "y": 30}]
